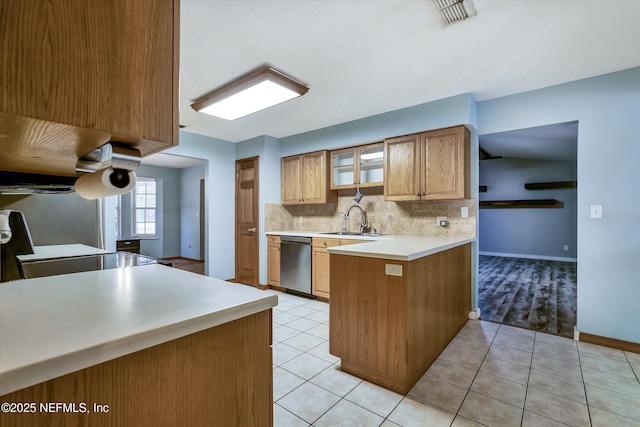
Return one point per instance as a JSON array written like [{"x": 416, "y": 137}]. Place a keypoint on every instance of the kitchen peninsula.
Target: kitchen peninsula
[
  {"x": 396, "y": 304},
  {"x": 148, "y": 345}
]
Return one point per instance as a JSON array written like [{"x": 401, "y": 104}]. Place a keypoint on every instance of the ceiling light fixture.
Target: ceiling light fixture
[
  {"x": 253, "y": 92},
  {"x": 455, "y": 10}
]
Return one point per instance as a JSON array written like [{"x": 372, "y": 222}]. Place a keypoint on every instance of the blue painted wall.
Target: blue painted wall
[
  {"x": 608, "y": 111},
  {"x": 190, "y": 211}
]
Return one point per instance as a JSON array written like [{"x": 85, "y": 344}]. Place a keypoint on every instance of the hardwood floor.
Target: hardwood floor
[
  {"x": 192, "y": 265},
  {"x": 534, "y": 294}
]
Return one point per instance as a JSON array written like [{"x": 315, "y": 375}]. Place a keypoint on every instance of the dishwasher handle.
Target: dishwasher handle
[{"x": 296, "y": 239}]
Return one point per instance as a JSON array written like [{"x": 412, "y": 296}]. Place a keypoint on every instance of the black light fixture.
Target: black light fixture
[{"x": 253, "y": 92}]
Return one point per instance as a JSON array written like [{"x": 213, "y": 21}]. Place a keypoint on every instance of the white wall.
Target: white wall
[
  {"x": 608, "y": 111},
  {"x": 190, "y": 211},
  {"x": 534, "y": 233}
]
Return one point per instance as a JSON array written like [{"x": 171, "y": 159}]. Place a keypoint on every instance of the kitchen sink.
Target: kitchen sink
[{"x": 353, "y": 233}]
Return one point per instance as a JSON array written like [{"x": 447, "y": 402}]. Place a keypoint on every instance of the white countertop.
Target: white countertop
[
  {"x": 61, "y": 251},
  {"x": 392, "y": 246},
  {"x": 55, "y": 325}
]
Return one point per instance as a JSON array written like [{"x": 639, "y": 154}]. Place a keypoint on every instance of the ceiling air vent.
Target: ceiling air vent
[{"x": 452, "y": 11}]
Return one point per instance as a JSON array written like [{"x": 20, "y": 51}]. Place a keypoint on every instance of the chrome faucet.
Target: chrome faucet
[{"x": 364, "y": 223}]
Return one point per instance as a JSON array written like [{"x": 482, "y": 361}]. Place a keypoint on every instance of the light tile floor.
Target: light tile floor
[{"x": 489, "y": 375}]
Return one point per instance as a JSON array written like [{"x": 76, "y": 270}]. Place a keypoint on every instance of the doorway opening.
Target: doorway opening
[{"x": 527, "y": 228}]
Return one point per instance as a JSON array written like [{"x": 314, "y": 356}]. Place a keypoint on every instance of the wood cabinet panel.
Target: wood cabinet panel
[
  {"x": 273, "y": 260},
  {"x": 222, "y": 376},
  {"x": 428, "y": 166},
  {"x": 320, "y": 272},
  {"x": 109, "y": 73},
  {"x": 305, "y": 179},
  {"x": 389, "y": 329}
]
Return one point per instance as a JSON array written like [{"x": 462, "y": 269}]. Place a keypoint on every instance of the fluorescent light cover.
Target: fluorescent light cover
[
  {"x": 256, "y": 98},
  {"x": 253, "y": 92}
]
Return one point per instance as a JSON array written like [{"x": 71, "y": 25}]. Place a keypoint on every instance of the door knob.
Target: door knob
[{"x": 252, "y": 229}]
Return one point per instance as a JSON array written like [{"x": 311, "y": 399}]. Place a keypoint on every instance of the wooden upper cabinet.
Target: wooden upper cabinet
[
  {"x": 428, "y": 166},
  {"x": 305, "y": 179},
  {"x": 76, "y": 75},
  {"x": 362, "y": 165}
]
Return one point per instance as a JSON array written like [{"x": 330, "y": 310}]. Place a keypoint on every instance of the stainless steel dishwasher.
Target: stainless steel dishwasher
[{"x": 295, "y": 264}]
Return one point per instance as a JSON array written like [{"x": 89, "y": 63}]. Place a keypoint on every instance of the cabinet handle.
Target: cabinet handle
[{"x": 417, "y": 194}]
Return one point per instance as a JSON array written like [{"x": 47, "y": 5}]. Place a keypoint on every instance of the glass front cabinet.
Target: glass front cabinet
[{"x": 362, "y": 165}]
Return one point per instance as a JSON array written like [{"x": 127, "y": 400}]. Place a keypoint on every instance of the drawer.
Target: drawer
[
  {"x": 273, "y": 239},
  {"x": 132, "y": 246},
  {"x": 325, "y": 242}
]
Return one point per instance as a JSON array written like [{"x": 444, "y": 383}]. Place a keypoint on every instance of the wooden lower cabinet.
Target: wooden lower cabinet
[
  {"x": 389, "y": 328},
  {"x": 320, "y": 263},
  {"x": 273, "y": 260},
  {"x": 221, "y": 376}
]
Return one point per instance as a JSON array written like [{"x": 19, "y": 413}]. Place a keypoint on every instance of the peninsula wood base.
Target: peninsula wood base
[
  {"x": 388, "y": 329},
  {"x": 218, "y": 377}
]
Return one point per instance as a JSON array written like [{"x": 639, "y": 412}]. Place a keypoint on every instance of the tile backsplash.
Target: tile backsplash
[{"x": 416, "y": 218}]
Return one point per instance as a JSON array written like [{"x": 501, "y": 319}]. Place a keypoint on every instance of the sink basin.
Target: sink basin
[{"x": 353, "y": 233}]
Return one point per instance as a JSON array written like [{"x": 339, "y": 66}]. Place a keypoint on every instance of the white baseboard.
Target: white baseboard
[{"x": 528, "y": 256}]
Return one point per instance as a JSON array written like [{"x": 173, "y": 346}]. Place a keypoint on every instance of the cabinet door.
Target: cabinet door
[
  {"x": 343, "y": 172},
  {"x": 402, "y": 168},
  {"x": 371, "y": 165},
  {"x": 321, "y": 271},
  {"x": 444, "y": 170},
  {"x": 273, "y": 264},
  {"x": 314, "y": 177},
  {"x": 291, "y": 180},
  {"x": 112, "y": 68}
]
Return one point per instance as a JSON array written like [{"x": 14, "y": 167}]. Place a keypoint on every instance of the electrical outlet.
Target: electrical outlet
[
  {"x": 442, "y": 221},
  {"x": 393, "y": 270},
  {"x": 596, "y": 211},
  {"x": 566, "y": 247},
  {"x": 464, "y": 212}
]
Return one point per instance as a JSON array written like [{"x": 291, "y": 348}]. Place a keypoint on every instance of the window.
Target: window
[{"x": 144, "y": 208}]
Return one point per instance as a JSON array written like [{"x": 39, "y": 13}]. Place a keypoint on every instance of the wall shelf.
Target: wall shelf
[
  {"x": 550, "y": 185},
  {"x": 521, "y": 204}
]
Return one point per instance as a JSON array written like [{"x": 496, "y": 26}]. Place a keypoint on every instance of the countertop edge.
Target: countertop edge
[{"x": 23, "y": 377}]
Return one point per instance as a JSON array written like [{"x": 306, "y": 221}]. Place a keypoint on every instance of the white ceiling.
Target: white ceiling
[{"x": 361, "y": 58}]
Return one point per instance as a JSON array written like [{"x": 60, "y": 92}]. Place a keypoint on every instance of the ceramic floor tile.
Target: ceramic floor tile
[
  {"x": 283, "y": 333},
  {"x": 301, "y": 311},
  {"x": 282, "y": 317},
  {"x": 505, "y": 369},
  {"x": 284, "y": 306},
  {"x": 490, "y": 412},
  {"x": 303, "y": 341},
  {"x": 283, "y": 353},
  {"x": 497, "y": 388},
  {"x": 284, "y": 382},
  {"x": 316, "y": 305},
  {"x": 336, "y": 381},
  {"x": 531, "y": 419},
  {"x": 598, "y": 350},
  {"x": 308, "y": 402},
  {"x": 612, "y": 382},
  {"x": 509, "y": 354},
  {"x": 559, "y": 386},
  {"x": 615, "y": 403},
  {"x": 345, "y": 413},
  {"x": 557, "y": 408},
  {"x": 374, "y": 398},
  {"x": 564, "y": 369},
  {"x": 632, "y": 358},
  {"x": 319, "y": 316},
  {"x": 322, "y": 351},
  {"x": 452, "y": 373},
  {"x": 557, "y": 353},
  {"x": 600, "y": 418},
  {"x": 388, "y": 423},
  {"x": 460, "y": 421},
  {"x": 301, "y": 324},
  {"x": 607, "y": 365},
  {"x": 523, "y": 334},
  {"x": 305, "y": 366},
  {"x": 410, "y": 413},
  {"x": 556, "y": 341},
  {"x": 513, "y": 342},
  {"x": 284, "y": 418},
  {"x": 320, "y": 331},
  {"x": 463, "y": 357},
  {"x": 439, "y": 393},
  {"x": 470, "y": 344}
]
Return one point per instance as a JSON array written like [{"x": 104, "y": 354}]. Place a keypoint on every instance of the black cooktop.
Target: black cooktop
[{"x": 55, "y": 266}]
